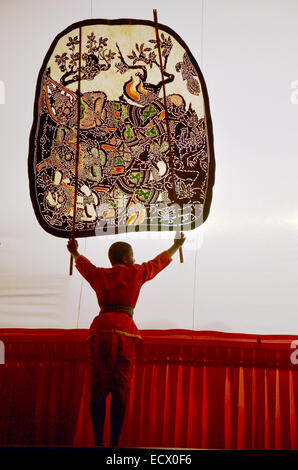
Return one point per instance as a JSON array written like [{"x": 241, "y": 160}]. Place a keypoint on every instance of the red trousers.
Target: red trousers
[{"x": 111, "y": 360}]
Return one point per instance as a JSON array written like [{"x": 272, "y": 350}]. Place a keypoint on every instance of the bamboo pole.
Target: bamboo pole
[
  {"x": 168, "y": 128},
  {"x": 77, "y": 148}
]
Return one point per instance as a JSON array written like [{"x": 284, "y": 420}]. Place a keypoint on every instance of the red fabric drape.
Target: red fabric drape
[{"x": 190, "y": 390}]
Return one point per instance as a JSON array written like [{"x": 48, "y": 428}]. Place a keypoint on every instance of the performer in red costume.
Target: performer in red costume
[{"x": 113, "y": 333}]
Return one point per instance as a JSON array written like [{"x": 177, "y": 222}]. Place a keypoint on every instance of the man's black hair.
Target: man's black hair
[{"x": 117, "y": 251}]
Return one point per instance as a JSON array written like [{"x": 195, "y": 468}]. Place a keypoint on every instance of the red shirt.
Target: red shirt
[{"x": 119, "y": 284}]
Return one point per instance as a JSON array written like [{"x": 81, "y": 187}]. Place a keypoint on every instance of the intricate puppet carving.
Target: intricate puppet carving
[{"x": 123, "y": 172}]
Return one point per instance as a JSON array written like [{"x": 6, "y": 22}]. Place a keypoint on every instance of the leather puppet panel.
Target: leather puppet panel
[{"x": 125, "y": 176}]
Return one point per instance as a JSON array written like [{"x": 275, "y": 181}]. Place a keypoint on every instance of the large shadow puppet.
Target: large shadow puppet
[{"x": 124, "y": 179}]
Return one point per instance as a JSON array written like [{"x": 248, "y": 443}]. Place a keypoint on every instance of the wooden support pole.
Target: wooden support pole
[
  {"x": 77, "y": 148},
  {"x": 167, "y": 125}
]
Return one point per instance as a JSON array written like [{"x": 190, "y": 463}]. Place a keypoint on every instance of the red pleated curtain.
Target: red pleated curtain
[{"x": 191, "y": 389}]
